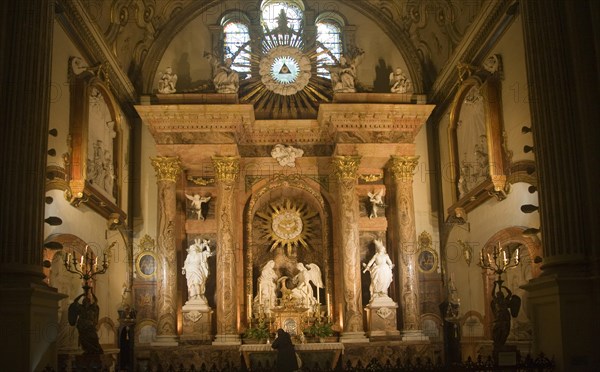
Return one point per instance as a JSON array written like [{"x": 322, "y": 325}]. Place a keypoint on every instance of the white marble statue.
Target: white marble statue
[
  {"x": 303, "y": 290},
  {"x": 195, "y": 269},
  {"x": 267, "y": 288},
  {"x": 225, "y": 78},
  {"x": 380, "y": 267},
  {"x": 167, "y": 82},
  {"x": 286, "y": 155},
  {"x": 196, "y": 204},
  {"x": 343, "y": 75},
  {"x": 376, "y": 200},
  {"x": 399, "y": 83}
]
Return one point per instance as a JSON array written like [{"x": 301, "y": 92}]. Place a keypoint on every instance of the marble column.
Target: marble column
[
  {"x": 29, "y": 307},
  {"x": 564, "y": 301},
  {"x": 402, "y": 169},
  {"x": 226, "y": 174},
  {"x": 345, "y": 170},
  {"x": 168, "y": 170}
]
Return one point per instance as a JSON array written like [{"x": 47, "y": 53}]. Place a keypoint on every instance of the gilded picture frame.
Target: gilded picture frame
[
  {"x": 478, "y": 164},
  {"x": 427, "y": 261},
  {"x": 95, "y": 157},
  {"x": 146, "y": 265}
]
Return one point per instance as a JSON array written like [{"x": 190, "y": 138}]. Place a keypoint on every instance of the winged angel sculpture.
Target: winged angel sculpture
[
  {"x": 196, "y": 204},
  {"x": 304, "y": 291},
  {"x": 376, "y": 200}
]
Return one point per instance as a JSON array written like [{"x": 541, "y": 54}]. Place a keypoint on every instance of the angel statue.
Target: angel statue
[
  {"x": 399, "y": 83},
  {"x": 84, "y": 315},
  {"x": 303, "y": 291},
  {"x": 343, "y": 75},
  {"x": 196, "y": 204},
  {"x": 225, "y": 78},
  {"x": 376, "y": 200},
  {"x": 167, "y": 82},
  {"x": 503, "y": 307}
]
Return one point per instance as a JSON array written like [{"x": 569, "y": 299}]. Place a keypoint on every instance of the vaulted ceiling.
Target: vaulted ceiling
[{"x": 425, "y": 31}]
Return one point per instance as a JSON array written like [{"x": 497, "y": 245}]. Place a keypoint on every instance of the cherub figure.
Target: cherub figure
[
  {"x": 399, "y": 83},
  {"x": 376, "y": 200},
  {"x": 196, "y": 204},
  {"x": 167, "y": 82}
]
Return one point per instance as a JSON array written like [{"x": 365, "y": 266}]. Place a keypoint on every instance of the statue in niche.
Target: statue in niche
[
  {"x": 343, "y": 75},
  {"x": 195, "y": 269},
  {"x": 267, "y": 287},
  {"x": 225, "y": 78},
  {"x": 303, "y": 290},
  {"x": 380, "y": 267},
  {"x": 84, "y": 316},
  {"x": 376, "y": 200},
  {"x": 286, "y": 155},
  {"x": 399, "y": 83},
  {"x": 196, "y": 204},
  {"x": 167, "y": 82}
]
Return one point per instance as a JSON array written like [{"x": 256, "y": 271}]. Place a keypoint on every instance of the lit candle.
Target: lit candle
[
  {"x": 249, "y": 307},
  {"x": 81, "y": 261},
  {"x": 96, "y": 264},
  {"x": 505, "y": 254},
  {"x": 328, "y": 304},
  {"x": 481, "y": 257},
  {"x": 517, "y": 258}
]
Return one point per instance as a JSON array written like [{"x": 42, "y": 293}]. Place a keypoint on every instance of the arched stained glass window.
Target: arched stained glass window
[
  {"x": 272, "y": 9},
  {"x": 329, "y": 34},
  {"x": 236, "y": 46}
]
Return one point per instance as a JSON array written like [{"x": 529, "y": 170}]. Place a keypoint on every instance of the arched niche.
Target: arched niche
[{"x": 287, "y": 199}]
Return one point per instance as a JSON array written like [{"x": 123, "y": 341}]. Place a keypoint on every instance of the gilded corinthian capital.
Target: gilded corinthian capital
[
  {"x": 227, "y": 168},
  {"x": 167, "y": 168},
  {"x": 345, "y": 167},
  {"x": 403, "y": 167}
]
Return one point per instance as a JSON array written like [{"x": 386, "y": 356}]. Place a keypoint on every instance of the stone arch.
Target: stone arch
[
  {"x": 146, "y": 72},
  {"x": 281, "y": 185}
]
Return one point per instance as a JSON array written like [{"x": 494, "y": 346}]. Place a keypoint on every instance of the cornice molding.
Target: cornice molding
[
  {"x": 92, "y": 44},
  {"x": 480, "y": 38}
]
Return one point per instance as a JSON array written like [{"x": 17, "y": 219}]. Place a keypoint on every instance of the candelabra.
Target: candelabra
[
  {"x": 86, "y": 266},
  {"x": 504, "y": 303}
]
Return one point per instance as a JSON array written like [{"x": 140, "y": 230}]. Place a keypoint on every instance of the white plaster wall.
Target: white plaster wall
[
  {"x": 84, "y": 222},
  {"x": 492, "y": 216}
]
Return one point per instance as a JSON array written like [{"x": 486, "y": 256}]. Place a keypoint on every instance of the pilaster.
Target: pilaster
[{"x": 29, "y": 307}]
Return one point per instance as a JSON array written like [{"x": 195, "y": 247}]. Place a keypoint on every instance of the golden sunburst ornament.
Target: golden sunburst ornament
[
  {"x": 288, "y": 224},
  {"x": 284, "y": 83}
]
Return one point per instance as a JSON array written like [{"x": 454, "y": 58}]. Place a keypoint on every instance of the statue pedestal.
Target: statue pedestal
[
  {"x": 197, "y": 321},
  {"x": 381, "y": 317}
]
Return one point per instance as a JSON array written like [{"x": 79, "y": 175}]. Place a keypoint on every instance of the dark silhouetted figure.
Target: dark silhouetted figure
[{"x": 286, "y": 353}]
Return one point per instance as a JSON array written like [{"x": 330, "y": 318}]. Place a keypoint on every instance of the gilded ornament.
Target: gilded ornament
[
  {"x": 227, "y": 168},
  {"x": 345, "y": 167},
  {"x": 403, "y": 167},
  {"x": 370, "y": 177},
  {"x": 167, "y": 168},
  {"x": 200, "y": 181}
]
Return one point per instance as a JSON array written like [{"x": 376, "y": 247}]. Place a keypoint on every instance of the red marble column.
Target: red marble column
[{"x": 168, "y": 170}]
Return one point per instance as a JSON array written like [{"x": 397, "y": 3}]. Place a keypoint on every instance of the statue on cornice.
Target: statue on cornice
[
  {"x": 286, "y": 155},
  {"x": 167, "y": 82},
  {"x": 399, "y": 83},
  {"x": 225, "y": 78},
  {"x": 343, "y": 75}
]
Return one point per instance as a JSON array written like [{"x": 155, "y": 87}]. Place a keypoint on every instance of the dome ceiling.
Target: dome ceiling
[{"x": 425, "y": 31}]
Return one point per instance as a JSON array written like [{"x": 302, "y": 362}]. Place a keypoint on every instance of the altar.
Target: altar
[{"x": 313, "y": 355}]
